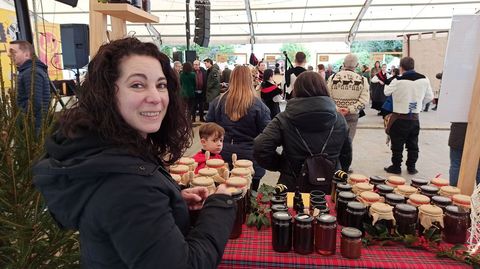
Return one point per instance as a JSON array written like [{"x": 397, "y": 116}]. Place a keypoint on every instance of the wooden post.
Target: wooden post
[
  {"x": 97, "y": 29},
  {"x": 119, "y": 28},
  {"x": 471, "y": 149}
]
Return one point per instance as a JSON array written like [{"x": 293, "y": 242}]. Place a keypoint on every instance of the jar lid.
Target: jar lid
[
  {"x": 441, "y": 200},
  {"x": 317, "y": 201},
  {"x": 238, "y": 182},
  {"x": 202, "y": 181},
  {"x": 356, "y": 206},
  {"x": 407, "y": 189},
  {"x": 364, "y": 186},
  {"x": 235, "y": 192},
  {"x": 420, "y": 181},
  {"x": 346, "y": 195},
  {"x": 383, "y": 188},
  {"x": 176, "y": 177},
  {"x": 378, "y": 179},
  {"x": 208, "y": 172},
  {"x": 344, "y": 187},
  {"x": 186, "y": 161},
  {"x": 396, "y": 180},
  {"x": 282, "y": 215},
  {"x": 317, "y": 193},
  {"x": 243, "y": 163},
  {"x": 215, "y": 163},
  {"x": 303, "y": 218},
  {"x": 351, "y": 232},
  {"x": 278, "y": 199},
  {"x": 419, "y": 199},
  {"x": 405, "y": 208},
  {"x": 430, "y": 189},
  {"x": 241, "y": 171},
  {"x": 381, "y": 208},
  {"x": 178, "y": 169},
  {"x": 439, "y": 182},
  {"x": 431, "y": 210},
  {"x": 278, "y": 207},
  {"x": 395, "y": 198},
  {"x": 370, "y": 196},
  {"x": 326, "y": 219},
  {"x": 450, "y": 190},
  {"x": 456, "y": 210},
  {"x": 358, "y": 178},
  {"x": 461, "y": 199}
]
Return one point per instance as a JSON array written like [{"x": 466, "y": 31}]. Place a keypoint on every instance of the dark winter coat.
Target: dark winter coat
[
  {"x": 313, "y": 117},
  {"x": 267, "y": 92},
  {"x": 213, "y": 83},
  {"x": 187, "y": 80},
  {"x": 129, "y": 211},
  {"x": 41, "y": 86}
]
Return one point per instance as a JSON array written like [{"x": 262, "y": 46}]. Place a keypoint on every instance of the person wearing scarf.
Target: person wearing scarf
[
  {"x": 377, "y": 87},
  {"x": 268, "y": 90}
]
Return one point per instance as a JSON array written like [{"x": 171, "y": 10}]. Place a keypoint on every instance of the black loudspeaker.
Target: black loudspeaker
[
  {"x": 72, "y": 3},
  {"x": 190, "y": 56},
  {"x": 178, "y": 56},
  {"x": 75, "y": 45},
  {"x": 202, "y": 23}
]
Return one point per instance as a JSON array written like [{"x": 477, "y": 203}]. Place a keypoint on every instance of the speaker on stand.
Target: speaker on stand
[
  {"x": 202, "y": 23},
  {"x": 75, "y": 46},
  {"x": 190, "y": 56}
]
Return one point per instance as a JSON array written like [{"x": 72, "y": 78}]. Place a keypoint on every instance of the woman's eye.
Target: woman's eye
[
  {"x": 137, "y": 85},
  {"x": 162, "y": 86}
]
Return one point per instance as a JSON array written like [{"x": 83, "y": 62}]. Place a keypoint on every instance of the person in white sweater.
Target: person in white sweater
[{"x": 409, "y": 92}]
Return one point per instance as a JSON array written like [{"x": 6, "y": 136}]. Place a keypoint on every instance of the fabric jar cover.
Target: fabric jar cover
[
  {"x": 461, "y": 200},
  {"x": 418, "y": 200},
  {"x": 204, "y": 182},
  {"x": 405, "y": 190},
  {"x": 361, "y": 187},
  {"x": 428, "y": 214},
  {"x": 356, "y": 178},
  {"x": 190, "y": 162},
  {"x": 395, "y": 181},
  {"x": 369, "y": 197},
  {"x": 380, "y": 211},
  {"x": 211, "y": 173},
  {"x": 449, "y": 191},
  {"x": 439, "y": 182}
]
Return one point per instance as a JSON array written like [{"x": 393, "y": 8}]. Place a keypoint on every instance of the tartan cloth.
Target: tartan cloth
[{"x": 254, "y": 250}]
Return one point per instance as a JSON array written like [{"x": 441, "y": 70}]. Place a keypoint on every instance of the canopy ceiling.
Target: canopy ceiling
[{"x": 276, "y": 21}]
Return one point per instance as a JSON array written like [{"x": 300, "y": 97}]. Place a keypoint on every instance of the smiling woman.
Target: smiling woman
[{"x": 104, "y": 174}]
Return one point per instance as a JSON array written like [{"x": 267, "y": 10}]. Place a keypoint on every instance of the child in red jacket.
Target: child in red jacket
[{"x": 211, "y": 138}]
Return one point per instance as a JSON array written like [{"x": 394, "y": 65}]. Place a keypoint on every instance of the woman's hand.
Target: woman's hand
[{"x": 194, "y": 197}]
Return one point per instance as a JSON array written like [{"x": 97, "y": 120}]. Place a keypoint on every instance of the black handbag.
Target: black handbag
[{"x": 317, "y": 170}]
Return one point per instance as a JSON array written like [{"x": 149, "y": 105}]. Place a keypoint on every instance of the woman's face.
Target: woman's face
[
  {"x": 262, "y": 66},
  {"x": 142, "y": 95},
  {"x": 384, "y": 68}
]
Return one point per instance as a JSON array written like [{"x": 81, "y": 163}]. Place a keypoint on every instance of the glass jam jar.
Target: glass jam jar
[
  {"x": 342, "y": 187},
  {"x": 242, "y": 172},
  {"x": 383, "y": 189},
  {"x": 393, "y": 199},
  {"x": 361, "y": 187},
  {"x": 237, "y": 182},
  {"x": 320, "y": 210},
  {"x": 303, "y": 235},
  {"x": 441, "y": 202},
  {"x": 336, "y": 181},
  {"x": 277, "y": 208},
  {"x": 428, "y": 216},
  {"x": 394, "y": 181},
  {"x": 181, "y": 170},
  {"x": 429, "y": 190},
  {"x": 278, "y": 200},
  {"x": 449, "y": 191},
  {"x": 237, "y": 196},
  {"x": 326, "y": 234},
  {"x": 317, "y": 194},
  {"x": 351, "y": 243},
  {"x": 439, "y": 182},
  {"x": 417, "y": 182},
  {"x": 282, "y": 231},
  {"x": 356, "y": 178},
  {"x": 356, "y": 213},
  {"x": 418, "y": 199},
  {"x": 457, "y": 222},
  {"x": 204, "y": 182},
  {"x": 462, "y": 200},
  {"x": 344, "y": 198},
  {"x": 382, "y": 214},
  {"x": 406, "y": 217},
  {"x": 377, "y": 180},
  {"x": 316, "y": 201},
  {"x": 190, "y": 162},
  {"x": 405, "y": 190},
  {"x": 369, "y": 197}
]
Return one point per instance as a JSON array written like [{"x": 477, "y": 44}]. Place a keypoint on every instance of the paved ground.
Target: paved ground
[{"x": 371, "y": 154}]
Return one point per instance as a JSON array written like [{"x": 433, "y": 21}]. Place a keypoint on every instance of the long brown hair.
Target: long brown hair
[
  {"x": 97, "y": 110},
  {"x": 240, "y": 96}
]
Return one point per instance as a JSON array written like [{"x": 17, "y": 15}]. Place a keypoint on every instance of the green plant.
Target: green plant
[
  {"x": 29, "y": 237},
  {"x": 260, "y": 207}
]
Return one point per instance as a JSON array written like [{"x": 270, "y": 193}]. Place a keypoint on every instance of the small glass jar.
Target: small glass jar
[
  {"x": 449, "y": 191},
  {"x": 369, "y": 197},
  {"x": 321, "y": 209},
  {"x": 393, "y": 199},
  {"x": 441, "y": 202},
  {"x": 394, "y": 181},
  {"x": 356, "y": 178},
  {"x": 303, "y": 234},
  {"x": 344, "y": 198},
  {"x": 236, "y": 182},
  {"x": 242, "y": 172},
  {"x": 178, "y": 169},
  {"x": 212, "y": 173},
  {"x": 356, "y": 213},
  {"x": 439, "y": 182},
  {"x": 237, "y": 196},
  {"x": 406, "y": 217},
  {"x": 429, "y": 190},
  {"x": 351, "y": 243},
  {"x": 335, "y": 181},
  {"x": 418, "y": 199},
  {"x": 278, "y": 200},
  {"x": 219, "y": 165},
  {"x": 243, "y": 164},
  {"x": 417, "y": 182},
  {"x": 382, "y": 214},
  {"x": 461, "y": 200},
  {"x": 457, "y": 222},
  {"x": 190, "y": 162},
  {"x": 342, "y": 187},
  {"x": 204, "y": 182},
  {"x": 377, "y": 180},
  {"x": 317, "y": 194},
  {"x": 361, "y": 187},
  {"x": 430, "y": 216},
  {"x": 317, "y": 201},
  {"x": 282, "y": 231},
  {"x": 177, "y": 178},
  {"x": 405, "y": 190},
  {"x": 326, "y": 234},
  {"x": 277, "y": 208},
  {"x": 383, "y": 189}
]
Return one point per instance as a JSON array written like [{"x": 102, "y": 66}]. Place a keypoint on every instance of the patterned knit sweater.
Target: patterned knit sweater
[{"x": 349, "y": 90}]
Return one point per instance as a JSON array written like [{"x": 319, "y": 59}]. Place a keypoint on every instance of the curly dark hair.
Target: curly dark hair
[{"x": 97, "y": 111}]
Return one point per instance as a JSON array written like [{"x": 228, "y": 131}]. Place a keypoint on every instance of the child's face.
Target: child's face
[{"x": 212, "y": 144}]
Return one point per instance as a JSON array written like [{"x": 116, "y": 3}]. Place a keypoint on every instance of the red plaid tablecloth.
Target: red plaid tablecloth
[{"x": 254, "y": 250}]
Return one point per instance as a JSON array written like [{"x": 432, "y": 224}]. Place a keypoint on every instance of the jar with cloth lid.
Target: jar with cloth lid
[
  {"x": 382, "y": 214},
  {"x": 361, "y": 187},
  {"x": 448, "y": 191},
  {"x": 439, "y": 182},
  {"x": 356, "y": 178},
  {"x": 418, "y": 199},
  {"x": 395, "y": 181},
  {"x": 405, "y": 190},
  {"x": 430, "y": 216}
]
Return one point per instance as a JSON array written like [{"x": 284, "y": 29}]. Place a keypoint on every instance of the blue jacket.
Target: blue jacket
[{"x": 41, "y": 86}]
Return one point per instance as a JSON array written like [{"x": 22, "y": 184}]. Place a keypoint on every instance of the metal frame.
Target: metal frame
[
  {"x": 250, "y": 24},
  {"x": 356, "y": 23}
]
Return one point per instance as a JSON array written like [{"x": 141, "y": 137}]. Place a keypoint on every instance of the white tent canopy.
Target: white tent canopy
[{"x": 276, "y": 21}]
